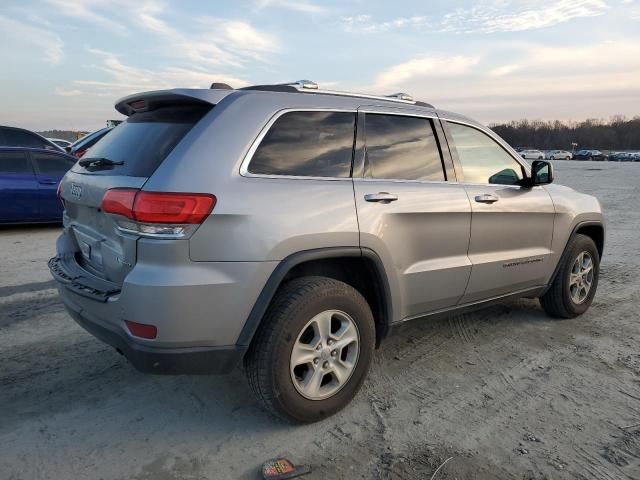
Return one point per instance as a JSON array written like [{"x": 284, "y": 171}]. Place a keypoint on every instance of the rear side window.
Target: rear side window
[
  {"x": 51, "y": 164},
  {"x": 20, "y": 138},
  {"x": 307, "y": 144},
  {"x": 14, "y": 162},
  {"x": 402, "y": 148},
  {"x": 144, "y": 140}
]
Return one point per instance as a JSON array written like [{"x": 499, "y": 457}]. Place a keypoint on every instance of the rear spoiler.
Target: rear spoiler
[{"x": 143, "y": 102}]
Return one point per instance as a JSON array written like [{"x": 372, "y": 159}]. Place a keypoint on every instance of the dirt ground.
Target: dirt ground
[{"x": 506, "y": 393}]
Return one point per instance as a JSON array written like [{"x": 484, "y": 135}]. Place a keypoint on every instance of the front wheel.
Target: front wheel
[
  {"x": 312, "y": 352},
  {"x": 574, "y": 287}
]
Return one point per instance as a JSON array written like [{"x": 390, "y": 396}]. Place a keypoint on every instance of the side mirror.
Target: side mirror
[
  {"x": 541, "y": 173},
  {"x": 67, "y": 149}
]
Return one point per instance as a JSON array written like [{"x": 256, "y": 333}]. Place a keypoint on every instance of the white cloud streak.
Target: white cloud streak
[
  {"x": 427, "y": 66},
  {"x": 45, "y": 42},
  {"x": 488, "y": 16},
  {"x": 303, "y": 6}
]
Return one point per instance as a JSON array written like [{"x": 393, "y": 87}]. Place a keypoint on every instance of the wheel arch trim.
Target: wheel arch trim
[
  {"x": 278, "y": 275},
  {"x": 574, "y": 232}
]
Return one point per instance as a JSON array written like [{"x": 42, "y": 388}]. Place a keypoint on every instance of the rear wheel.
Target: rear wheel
[
  {"x": 574, "y": 287},
  {"x": 313, "y": 350}
]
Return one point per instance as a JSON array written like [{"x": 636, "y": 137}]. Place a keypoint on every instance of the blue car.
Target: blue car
[{"x": 29, "y": 180}]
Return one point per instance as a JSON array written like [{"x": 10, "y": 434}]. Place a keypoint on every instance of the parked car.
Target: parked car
[
  {"x": 61, "y": 142},
  {"x": 291, "y": 229},
  {"x": 19, "y": 137},
  {"x": 80, "y": 147},
  {"x": 559, "y": 155},
  {"x": 28, "y": 181},
  {"x": 532, "y": 154},
  {"x": 595, "y": 155}
]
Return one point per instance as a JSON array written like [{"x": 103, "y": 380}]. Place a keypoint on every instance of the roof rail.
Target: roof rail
[{"x": 307, "y": 86}]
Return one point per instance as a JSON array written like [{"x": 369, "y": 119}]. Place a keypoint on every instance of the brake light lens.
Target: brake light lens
[
  {"x": 80, "y": 153},
  {"x": 142, "y": 330},
  {"x": 158, "y": 207}
]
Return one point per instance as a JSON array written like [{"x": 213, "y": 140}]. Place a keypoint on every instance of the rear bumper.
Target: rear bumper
[
  {"x": 198, "y": 308},
  {"x": 157, "y": 360}
]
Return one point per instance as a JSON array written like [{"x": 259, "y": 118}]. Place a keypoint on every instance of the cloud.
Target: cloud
[
  {"x": 508, "y": 16},
  {"x": 366, "y": 24},
  {"x": 488, "y": 16},
  {"x": 572, "y": 81},
  {"x": 303, "y": 6},
  {"x": 49, "y": 43},
  {"x": 68, "y": 93},
  {"x": 421, "y": 67},
  {"x": 119, "y": 78},
  {"x": 85, "y": 10}
]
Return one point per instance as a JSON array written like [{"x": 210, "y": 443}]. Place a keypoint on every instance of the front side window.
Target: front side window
[
  {"x": 307, "y": 144},
  {"x": 52, "y": 164},
  {"x": 402, "y": 148},
  {"x": 483, "y": 159},
  {"x": 14, "y": 162}
]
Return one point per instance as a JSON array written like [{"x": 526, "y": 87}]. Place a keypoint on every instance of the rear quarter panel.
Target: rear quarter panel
[{"x": 256, "y": 218}]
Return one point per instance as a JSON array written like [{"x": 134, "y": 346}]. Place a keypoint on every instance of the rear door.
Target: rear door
[
  {"x": 50, "y": 168},
  {"x": 511, "y": 226},
  {"x": 137, "y": 147},
  {"x": 409, "y": 214},
  {"x": 18, "y": 187}
]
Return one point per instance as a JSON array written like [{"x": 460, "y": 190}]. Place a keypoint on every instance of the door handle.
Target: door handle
[
  {"x": 381, "y": 197},
  {"x": 486, "y": 198}
]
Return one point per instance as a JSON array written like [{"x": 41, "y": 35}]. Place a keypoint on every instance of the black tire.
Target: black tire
[
  {"x": 267, "y": 363},
  {"x": 557, "y": 301}
]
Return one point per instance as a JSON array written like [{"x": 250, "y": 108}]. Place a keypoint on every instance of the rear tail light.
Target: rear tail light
[
  {"x": 158, "y": 213},
  {"x": 142, "y": 330},
  {"x": 80, "y": 153}
]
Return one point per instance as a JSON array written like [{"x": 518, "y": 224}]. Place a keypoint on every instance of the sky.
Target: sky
[{"x": 66, "y": 62}]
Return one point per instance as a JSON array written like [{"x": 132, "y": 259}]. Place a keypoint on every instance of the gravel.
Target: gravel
[{"x": 504, "y": 393}]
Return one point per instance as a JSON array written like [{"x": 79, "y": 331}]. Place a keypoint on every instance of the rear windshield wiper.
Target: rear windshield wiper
[{"x": 98, "y": 162}]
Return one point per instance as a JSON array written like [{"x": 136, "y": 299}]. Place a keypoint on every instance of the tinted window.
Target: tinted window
[
  {"x": 144, "y": 140},
  {"x": 49, "y": 163},
  {"x": 20, "y": 138},
  {"x": 14, "y": 162},
  {"x": 483, "y": 160},
  {"x": 403, "y": 148},
  {"x": 309, "y": 144}
]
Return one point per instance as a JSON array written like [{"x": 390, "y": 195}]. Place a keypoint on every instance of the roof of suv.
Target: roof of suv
[{"x": 287, "y": 95}]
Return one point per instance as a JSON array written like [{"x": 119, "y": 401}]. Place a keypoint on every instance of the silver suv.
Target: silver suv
[{"x": 292, "y": 229}]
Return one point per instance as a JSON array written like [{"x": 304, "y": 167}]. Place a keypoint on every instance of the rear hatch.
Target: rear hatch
[{"x": 125, "y": 158}]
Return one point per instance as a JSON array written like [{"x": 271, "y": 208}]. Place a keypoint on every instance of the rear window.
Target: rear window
[
  {"x": 307, "y": 144},
  {"x": 20, "y": 138},
  {"x": 144, "y": 140}
]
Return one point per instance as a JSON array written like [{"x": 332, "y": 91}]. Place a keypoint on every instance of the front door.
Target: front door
[
  {"x": 416, "y": 221},
  {"x": 511, "y": 226}
]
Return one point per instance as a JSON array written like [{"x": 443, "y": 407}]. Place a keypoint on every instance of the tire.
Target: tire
[
  {"x": 560, "y": 299},
  {"x": 552, "y": 158},
  {"x": 289, "y": 322}
]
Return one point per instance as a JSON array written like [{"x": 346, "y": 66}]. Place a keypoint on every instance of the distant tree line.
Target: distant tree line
[
  {"x": 618, "y": 133},
  {"x": 70, "y": 135}
]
